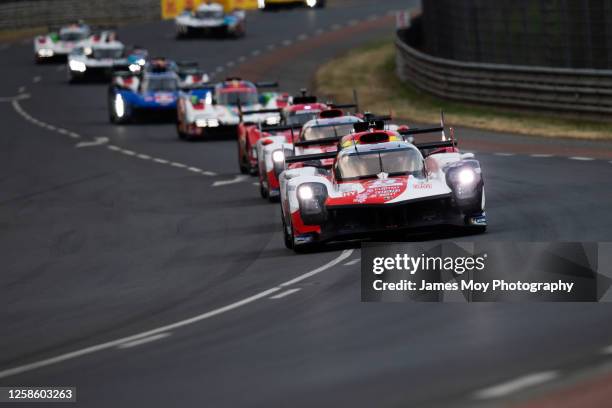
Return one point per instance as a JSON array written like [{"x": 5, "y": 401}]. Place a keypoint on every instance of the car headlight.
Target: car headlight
[
  {"x": 466, "y": 176},
  {"x": 87, "y": 51},
  {"x": 278, "y": 156},
  {"x": 45, "y": 52},
  {"x": 272, "y": 120},
  {"x": 119, "y": 106},
  {"x": 141, "y": 62},
  {"x": 207, "y": 123},
  {"x": 311, "y": 3},
  {"x": 77, "y": 66},
  {"x": 305, "y": 192},
  {"x": 134, "y": 68},
  {"x": 311, "y": 198}
]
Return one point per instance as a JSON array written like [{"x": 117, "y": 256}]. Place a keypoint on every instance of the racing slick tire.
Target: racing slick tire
[
  {"x": 181, "y": 135},
  {"x": 182, "y": 32},
  {"x": 243, "y": 162},
  {"x": 287, "y": 234},
  {"x": 262, "y": 190}
]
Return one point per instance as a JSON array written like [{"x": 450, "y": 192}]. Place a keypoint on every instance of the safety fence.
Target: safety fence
[
  {"x": 47, "y": 13},
  {"x": 580, "y": 91}
]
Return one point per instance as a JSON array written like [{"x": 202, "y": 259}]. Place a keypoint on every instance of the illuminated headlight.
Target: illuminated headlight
[
  {"x": 134, "y": 68},
  {"x": 119, "y": 106},
  {"x": 466, "y": 176},
  {"x": 77, "y": 66},
  {"x": 141, "y": 62},
  {"x": 278, "y": 156},
  {"x": 261, "y": 3},
  {"x": 87, "y": 51},
  {"x": 45, "y": 52},
  {"x": 207, "y": 123},
  {"x": 272, "y": 120},
  {"x": 311, "y": 3},
  {"x": 305, "y": 193}
]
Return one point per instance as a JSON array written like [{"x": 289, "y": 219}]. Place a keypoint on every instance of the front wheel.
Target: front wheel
[{"x": 287, "y": 234}]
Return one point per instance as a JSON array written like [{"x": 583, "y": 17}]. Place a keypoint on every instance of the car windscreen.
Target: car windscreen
[
  {"x": 161, "y": 84},
  {"x": 323, "y": 132},
  {"x": 398, "y": 162},
  {"x": 72, "y": 36},
  {"x": 299, "y": 118},
  {"x": 103, "y": 53},
  {"x": 209, "y": 14},
  {"x": 233, "y": 97}
]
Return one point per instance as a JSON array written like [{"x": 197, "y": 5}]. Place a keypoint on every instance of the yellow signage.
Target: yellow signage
[{"x": 172, "y": 8}]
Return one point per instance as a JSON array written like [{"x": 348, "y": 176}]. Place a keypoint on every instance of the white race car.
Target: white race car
[
  {"x": 58, "y": 44},
  {"x": 224, "y": 108},
  {"x": 101, "y": 55},
  {"x": 210, "y": 19}
]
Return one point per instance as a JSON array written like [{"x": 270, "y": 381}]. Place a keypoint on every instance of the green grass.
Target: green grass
[{"x": 371, "y": 71}]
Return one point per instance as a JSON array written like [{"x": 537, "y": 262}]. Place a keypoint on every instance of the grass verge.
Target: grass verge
[{"x": 371, "y": 71}]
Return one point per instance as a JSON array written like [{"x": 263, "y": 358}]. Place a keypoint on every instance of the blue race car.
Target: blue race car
[{"x": 155, "y": 91}]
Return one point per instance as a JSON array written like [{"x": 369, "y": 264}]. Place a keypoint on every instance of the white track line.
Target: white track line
[
  {"x": 285, "y": 293},
  {"x": 37, "y": 79},
  {"x": 607, "y": 350},
  {"x": 541, "y": 155},
  {"x": 579, "y": 158},
  {"x": 114, "y": 343},
  {"x": 255, "y": 53},
  {"x": 143, "y": 340},
  {"x": 504, "y": 154},
  {"x": 287, "y": 43},
  {"x": 237, "y": 179},
  {"x": 352, "y": 262},
  {"x": 302, "y": 37},
  {"x": 515, "y": 385},
  {"x": 98, "y": 142}
]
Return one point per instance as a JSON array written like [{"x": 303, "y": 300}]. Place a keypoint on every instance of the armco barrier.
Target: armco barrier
[
  {"x": 44, "y": 13},
  {"x": 580, "y": 91}
]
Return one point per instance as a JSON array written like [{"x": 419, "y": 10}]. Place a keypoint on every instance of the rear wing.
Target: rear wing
[
  {"x": 419, "y": 131},
  {"x": 282, "y": 128},
  {"x": 311, "y": 157},
  {"x": 260, "y": 111}
]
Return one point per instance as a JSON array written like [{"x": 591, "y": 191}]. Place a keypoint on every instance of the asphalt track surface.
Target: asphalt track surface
[{"x": 102, "y": 243}]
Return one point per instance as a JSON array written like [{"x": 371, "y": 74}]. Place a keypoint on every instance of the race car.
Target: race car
[
  {"x": 210, "y": 19},
  {"x": 156, "y": 90},
  {"x": 318, "y": 135},
  {"x": 274, "y": 4},
  {"x": 297, "y": 111},
  {"x": 378, "y": 186},
  {"x": 58, "y": 44},
  {"x": 101, "y": 55},
  {"x": 225, "y": 107}
]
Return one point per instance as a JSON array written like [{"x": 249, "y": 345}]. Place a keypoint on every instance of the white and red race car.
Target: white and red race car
[
  {"x": 320, "y": 134},
  {"x": 224, "y": 107},
  {"x": 380, "y": 185},
  {"x": 56, "y": 45}
]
